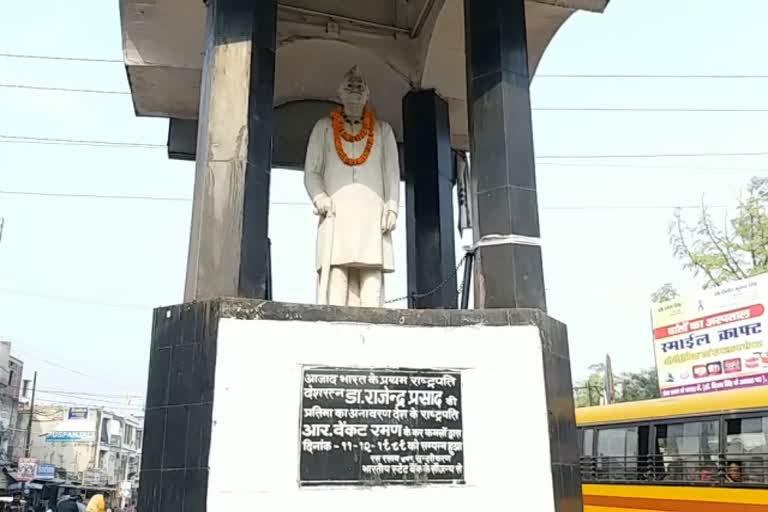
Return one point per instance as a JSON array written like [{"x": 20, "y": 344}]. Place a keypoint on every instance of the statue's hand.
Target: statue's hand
[
  {"x": 388, "y": 221},
  {"x": 323, "y": 205}
]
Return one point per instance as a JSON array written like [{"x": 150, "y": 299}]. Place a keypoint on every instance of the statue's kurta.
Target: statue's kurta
[{"x": 359, "y": 194}]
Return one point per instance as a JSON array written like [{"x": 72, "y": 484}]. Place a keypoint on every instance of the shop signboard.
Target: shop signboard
[
  {"x": 45, "y": 472},
  {"x": 78, "y": 413},
  {"x": 71, "y": 437},
  {"x": 26, "y": 469},
  {"x": 714, "y": 340},
  {"x": 94, "y": 477}
]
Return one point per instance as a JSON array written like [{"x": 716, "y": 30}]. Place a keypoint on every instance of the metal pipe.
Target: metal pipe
[
  {"x": 467, "y": 280},
  {"x": 357, "y": 21}
]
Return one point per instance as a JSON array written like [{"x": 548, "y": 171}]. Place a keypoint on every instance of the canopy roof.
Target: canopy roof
[{"x": 399, "y": 45}]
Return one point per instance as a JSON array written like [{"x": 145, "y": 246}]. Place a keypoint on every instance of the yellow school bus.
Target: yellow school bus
[{"x": 703, "y": 453}]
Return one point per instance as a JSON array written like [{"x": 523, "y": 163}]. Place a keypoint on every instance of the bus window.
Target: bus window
[
  {"x": 617, "y": 453},
  {"x": 747, "y": 450},
  {"x": 587, "y": 442},
  {"x": 586, "y": 445},
  {"x": 687, "y": 452}
]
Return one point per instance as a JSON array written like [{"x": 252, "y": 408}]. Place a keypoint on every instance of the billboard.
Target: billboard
[{"x": 713, "y": 340}]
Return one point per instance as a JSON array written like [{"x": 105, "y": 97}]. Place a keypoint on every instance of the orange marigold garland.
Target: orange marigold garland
[{"x": 340, "y": 133}]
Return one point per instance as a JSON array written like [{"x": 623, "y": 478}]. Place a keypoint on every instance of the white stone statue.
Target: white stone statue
[{"x": 352, "y": 176}]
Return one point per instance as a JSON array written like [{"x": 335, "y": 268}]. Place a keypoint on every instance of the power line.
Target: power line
[
  {"x": 307, "y": 205},
  {"x": 52, "y": 140},
  {"x": 105, "y": 143},
  {"x": 87, "y": 393},
  {"x": 89, "y": 399},
  {"x": 654, "y": 76},
  {"x": 60, "y": 58},
  {"x": 110, "y": 407},
  {"x": 36, "y": 356},
  {"x": 93, "y": 196},
  {"x": 59, "y": 366},
  {"x": 653, "y": 155},
  {"x": 542, "y": 75},
  {"x": 632, "y": 207},
  {"x": 75, "y": 300},
  {"x": 96, "y": 145},
  {"x": 541, "y": 109},
  {"x": 591, "y": 165},
  {"x": 61, "y": 89},
  {"x": 651, "y": 109}
]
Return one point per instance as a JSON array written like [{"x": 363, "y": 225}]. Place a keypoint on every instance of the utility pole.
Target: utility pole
[
  {"x": 610, "y": 385},
  {"x": 31, "y": 415}
]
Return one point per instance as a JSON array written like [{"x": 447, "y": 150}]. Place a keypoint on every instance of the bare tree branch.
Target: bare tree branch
[
  {"x": 682, "y": 246},
  {"x": 730, "y": 261}
]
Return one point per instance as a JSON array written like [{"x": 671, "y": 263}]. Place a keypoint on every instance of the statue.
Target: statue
[{"x": 352, "y": 176}]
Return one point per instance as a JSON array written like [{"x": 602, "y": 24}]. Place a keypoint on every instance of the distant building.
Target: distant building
[
  {"x": 87, "y": 444},
  {"x": 11, "y": 370}
]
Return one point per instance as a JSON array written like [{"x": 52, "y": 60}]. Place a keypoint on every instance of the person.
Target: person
[
  {"x": 733, "y": 472},
  {"x": 79, "y": 502},
  {"x": 97, "y": 504},
  {"x": 18, "y": 504},
  {"x": 707, "y": 473},
  {"x": 68, "y": 502},
  {"x": 129, "y": 507}
]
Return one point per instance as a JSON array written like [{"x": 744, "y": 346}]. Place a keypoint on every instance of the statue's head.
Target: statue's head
[{"x": 353, "y": 90}]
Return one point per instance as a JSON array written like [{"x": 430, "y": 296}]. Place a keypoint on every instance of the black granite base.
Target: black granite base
[{"x": 179, "y": 406}]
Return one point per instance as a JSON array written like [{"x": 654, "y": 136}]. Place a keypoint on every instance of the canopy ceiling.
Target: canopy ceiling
[{"x": 399, "y": 45}]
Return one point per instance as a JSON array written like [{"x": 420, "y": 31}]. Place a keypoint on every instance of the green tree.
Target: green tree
[
  {"x": 631, "y": 386},
  {"x": 735, "y": 249},
  {"x": 664, "y": 293},
  {"x": 591, "y": 391},
  {"x": 636, "y": 386}
]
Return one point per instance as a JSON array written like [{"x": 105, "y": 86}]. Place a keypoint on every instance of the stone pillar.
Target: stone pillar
[
  {"x": 428, "y": 164},
  {"x": 228, "y": 249},
  {"x": 503, "y": 172}
]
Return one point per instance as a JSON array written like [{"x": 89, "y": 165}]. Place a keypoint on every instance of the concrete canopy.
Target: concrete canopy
[{"x": 399, "y": 44}]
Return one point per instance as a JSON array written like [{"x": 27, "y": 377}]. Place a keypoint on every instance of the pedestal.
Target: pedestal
[{"x": 276, "y": 406}]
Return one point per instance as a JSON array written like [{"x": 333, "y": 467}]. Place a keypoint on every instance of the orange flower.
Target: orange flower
[{"x": 340, "y": 133}]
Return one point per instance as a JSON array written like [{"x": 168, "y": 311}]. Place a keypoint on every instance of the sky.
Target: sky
[{"x": 80, "y": 276}]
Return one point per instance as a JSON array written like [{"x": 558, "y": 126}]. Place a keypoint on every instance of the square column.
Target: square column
[
  {"x": 229, "y": 249},
  {"x": 429, "y": 201},
  {"x": 503, "y": 171}
]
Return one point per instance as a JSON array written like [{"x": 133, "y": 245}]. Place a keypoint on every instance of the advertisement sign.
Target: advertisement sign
[
  {"x": 71, "y": 437},
  {"x": 94, "y": 476},
  {"x": 78, "y": 413},
  {"x": 714, "y": 340},
  {"x": 26, "y": 470},
  {"x": 45, "y": 472}
]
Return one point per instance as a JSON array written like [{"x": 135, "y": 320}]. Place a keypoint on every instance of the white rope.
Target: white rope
[{"x": 492, "y": 240}]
